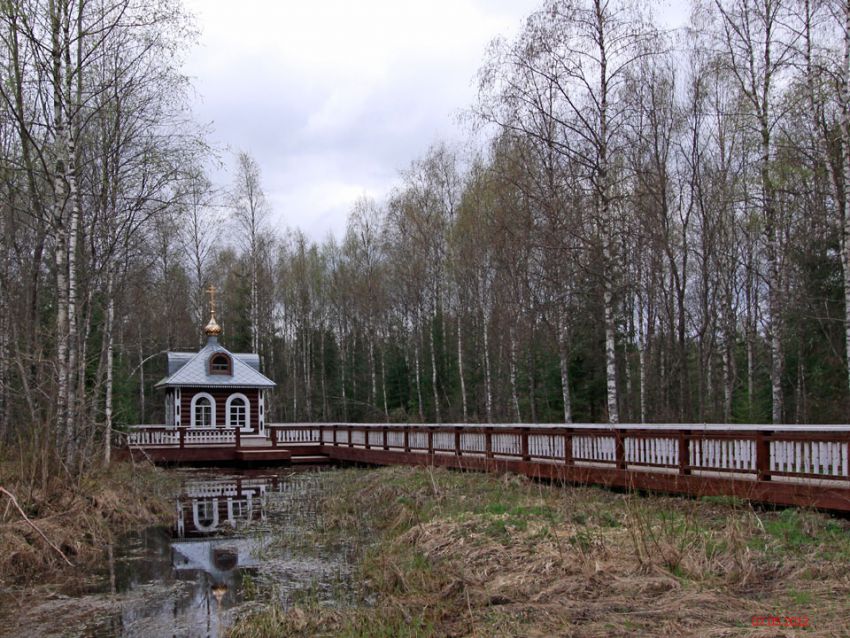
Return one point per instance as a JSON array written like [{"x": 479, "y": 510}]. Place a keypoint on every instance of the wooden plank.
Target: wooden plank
[{"x": 263, "y": 454}]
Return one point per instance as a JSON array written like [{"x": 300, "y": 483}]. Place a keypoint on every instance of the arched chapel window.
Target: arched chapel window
[
  {"x": 203, "y": 413},
  {"x": 238, "y": 412}
]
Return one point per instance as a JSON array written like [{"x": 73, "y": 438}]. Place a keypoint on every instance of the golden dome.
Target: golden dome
[{"x": 212, "y": 329}]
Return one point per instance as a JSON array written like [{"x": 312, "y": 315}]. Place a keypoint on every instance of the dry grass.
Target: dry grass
[
  {"x": 478, "y": 555},
  {"x": 77, "y": 516}
]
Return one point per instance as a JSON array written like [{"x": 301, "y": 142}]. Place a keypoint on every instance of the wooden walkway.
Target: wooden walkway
[{"x": 786, "y": 465}]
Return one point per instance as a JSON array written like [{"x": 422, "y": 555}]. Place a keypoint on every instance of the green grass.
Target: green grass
[{"x": 457, "y": 553}]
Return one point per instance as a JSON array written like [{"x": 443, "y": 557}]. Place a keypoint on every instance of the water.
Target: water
[{"x": 237, "y": 542}]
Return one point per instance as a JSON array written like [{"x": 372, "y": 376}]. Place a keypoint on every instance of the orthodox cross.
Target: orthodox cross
[{"x": 211, "y": 292}]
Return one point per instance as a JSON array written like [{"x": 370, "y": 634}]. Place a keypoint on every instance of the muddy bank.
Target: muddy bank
[
  {"x": 78, "y": 517},
  {"x": 459, "y": 554},
  {"x": 234, "y": 541}
]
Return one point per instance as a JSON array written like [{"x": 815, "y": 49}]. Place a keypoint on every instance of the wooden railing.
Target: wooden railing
[
  {"x": 161, "y": 436},
  {"x": 755, "y": 461},
  {"x": 763, "y": 452}
]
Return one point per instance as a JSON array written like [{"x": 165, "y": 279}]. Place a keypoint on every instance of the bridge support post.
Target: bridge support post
[
  {"x": 763, "y": 456},
  {"x": 619, "y": 451},
  {"x": 684, "y": 452}
]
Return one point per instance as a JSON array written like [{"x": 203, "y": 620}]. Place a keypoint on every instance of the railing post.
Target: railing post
[
  {"x": 321, "y": 434},
  {"x": 182, "y": 437},
  {"x": 568, "y": 447},
  {"x": 523, "y": 443},
  {"x": 619, "y": 450},
  {"x": 273, "y": 432},
  {"x": 384, "y": 430},
  {"x": 684, "y": 452},
  {"x": 430, "y": 441},
  {"x": 458, "y": 451},
  {"x": 407, "y": 439},
  {"x": 335, "y": 442},
  {"x": 238, "y": 432},
  {"x": 366, "y": 438},
  {"x": 488, "y": 443},
  {"x": 350, "y": 440},
  {"x": 763, "y": 456}
]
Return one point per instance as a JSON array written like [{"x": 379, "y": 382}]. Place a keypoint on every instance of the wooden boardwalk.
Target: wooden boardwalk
[{"x": 785, "y": 465}]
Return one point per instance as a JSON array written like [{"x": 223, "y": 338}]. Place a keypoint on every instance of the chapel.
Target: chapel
[{"x": 215, "y": 388}]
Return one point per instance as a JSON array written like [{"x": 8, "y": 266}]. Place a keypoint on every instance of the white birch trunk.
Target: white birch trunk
[
  {"x": 342, "y": 363},
  {"x": 437, "y": 414},
  {"x": 61, "y": 245},
  {"x": 416, "y": 346},
  {"x": 323, "y": 375},
  {"x": 485, "y": 330},
  {"x": 460, "y": 369},
  {"x": 513, "y": 365},
  {"x": 384, "y": 385},
  {"x": 373, "y": 387},
  {"x": 293, "y": 357},
  {"x": 308, "y": 383},
  {"x": 845, "y": 244},
  {"x": 107, "y": 408},
  {"x": 641, "y": 330},
  {"x": 564, "y": 358},
  {"x": 610, "y": 355}
]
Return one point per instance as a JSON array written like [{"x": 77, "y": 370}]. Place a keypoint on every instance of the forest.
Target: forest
[{"x": 642, "y": 225}]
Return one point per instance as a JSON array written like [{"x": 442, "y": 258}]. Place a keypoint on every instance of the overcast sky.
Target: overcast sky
[{"x": 334, "y": 98}]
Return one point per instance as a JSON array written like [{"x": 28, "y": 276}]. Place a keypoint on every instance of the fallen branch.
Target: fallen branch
[{"x": 33, "y": 525}]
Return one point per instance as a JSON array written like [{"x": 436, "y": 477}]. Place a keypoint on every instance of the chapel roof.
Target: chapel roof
[{"x": 192, "y": 369}]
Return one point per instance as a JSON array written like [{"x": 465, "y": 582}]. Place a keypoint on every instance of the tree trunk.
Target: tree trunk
[
  {"x": 373, "y": 387},
  {"x": 611, "y": 355},
  {"x": 564, "y": 358},
  {"x": 460, "y": 368},
  {"x": 141, "y": 378},
  {"x": 488, "y": 383},
  {"x": 384, "y": 384},
  {"x": 107, "y": 408},
  {"x": 845, "y": 129},
  {"x": 431, "y": 329},
  {"x": 512, "y": 368},
  {"x": 322, "y": 372},
  {"x": 342, "y": 363},
  {"x": 416, "y": 347}
]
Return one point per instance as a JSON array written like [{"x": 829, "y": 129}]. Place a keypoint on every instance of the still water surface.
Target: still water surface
[{"x": 237, "y": 539}]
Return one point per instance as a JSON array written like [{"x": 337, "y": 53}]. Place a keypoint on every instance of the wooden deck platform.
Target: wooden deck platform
[{"x": 787, "y": 465}]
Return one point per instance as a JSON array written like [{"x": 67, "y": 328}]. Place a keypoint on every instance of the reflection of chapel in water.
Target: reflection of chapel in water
[
  {"x": 215, "y": 388},
  {"x": 208, "y": 508},
  {"x": 207, "y": 505}
]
